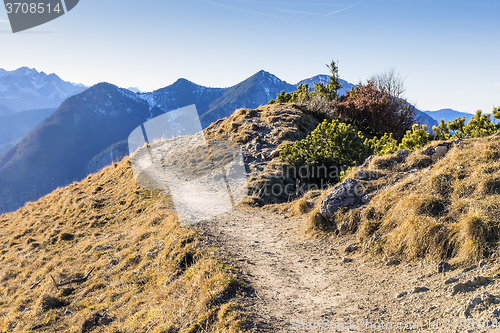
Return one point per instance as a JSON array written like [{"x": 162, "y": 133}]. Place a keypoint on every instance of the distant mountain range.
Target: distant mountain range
[
  {"x": 13, "y": 127},
  {"x": 89, "y": 130},
  {"x": 27, "y": 89},
  {"x": 448, "y": 115},
  {"x": 26, "y": 98}
]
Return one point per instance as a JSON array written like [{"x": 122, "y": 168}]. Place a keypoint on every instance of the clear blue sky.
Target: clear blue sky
[{"x": 447, "y": 50}]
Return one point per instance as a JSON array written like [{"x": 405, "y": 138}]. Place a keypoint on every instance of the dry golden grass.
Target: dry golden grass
[
  {"x": 303, "y": 205},
  {"x": 299, "y": 207},
  {"x": 448, "y": 209},
  {"x": 149, "y": 274},
  {"x": 288, "y": 122}
]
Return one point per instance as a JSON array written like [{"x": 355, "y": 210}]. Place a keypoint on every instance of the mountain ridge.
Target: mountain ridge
[
  {"x": 27, "y": 89},
  {"x": 58, "y": 150},
  {"x": 130, "y": 244},
  {"x": 88, "y": 129},
  {"x": 80, "y": 136},
  {"x": 448, "y": 114}
]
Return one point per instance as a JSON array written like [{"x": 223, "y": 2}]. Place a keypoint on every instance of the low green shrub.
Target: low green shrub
[
  {"x": 417, "y": 138},
  {"x": 303, "y": 93},
  {"x": 385, "y": 145},
  {"x": 331, "y": 144},
  {"x": 478, "y": 126}
]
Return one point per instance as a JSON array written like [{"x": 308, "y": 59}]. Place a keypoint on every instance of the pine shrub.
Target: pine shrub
[
  {"x": 417, "y": 138},
  {"x": 332, "y": 145}
]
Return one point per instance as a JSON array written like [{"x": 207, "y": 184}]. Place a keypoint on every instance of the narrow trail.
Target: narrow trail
[
  {"x": 294, "y": 278},
  {"x": 306, "y": 280}
]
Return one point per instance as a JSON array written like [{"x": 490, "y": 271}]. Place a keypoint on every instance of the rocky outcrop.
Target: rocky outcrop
[
  {"x": 347, "y": 194},
  {"x": 440, "y": 151}
]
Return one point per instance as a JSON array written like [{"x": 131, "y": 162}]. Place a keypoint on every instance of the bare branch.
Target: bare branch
[
  {"x": 36, "y": 284},
  {"x": 390, "y": 82}
]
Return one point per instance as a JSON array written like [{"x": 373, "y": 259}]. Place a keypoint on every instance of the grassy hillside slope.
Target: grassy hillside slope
[
  {"x": 422, "y": 207},
  {"x": 102, "y": 255}
]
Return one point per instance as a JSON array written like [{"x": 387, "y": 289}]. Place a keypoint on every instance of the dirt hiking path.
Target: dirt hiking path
[{"x": 306, "y": 280}]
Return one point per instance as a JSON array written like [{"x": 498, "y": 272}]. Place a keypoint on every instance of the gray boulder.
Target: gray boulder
[
  {"x": 440, "y": 153},
  {"x": 402, "y": 153},
  {"x": 347, "y": 194},
  {"x": 362, "y": 174},
  {"x": 429, "y": 151}
]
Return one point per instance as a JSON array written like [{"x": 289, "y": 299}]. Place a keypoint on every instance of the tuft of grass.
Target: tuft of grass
[
  {"x": 300, "y": 207},
  {"x": 303, "y": 205}
]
